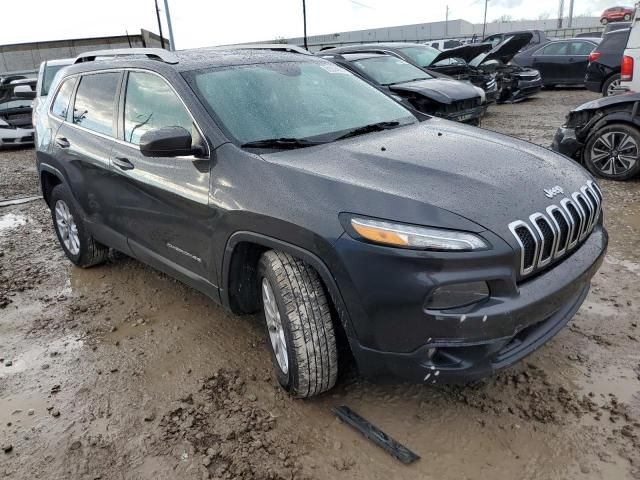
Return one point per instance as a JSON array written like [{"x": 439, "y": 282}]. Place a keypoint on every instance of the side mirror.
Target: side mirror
[
  {"x": 167, "y": 142},
  {"x": 24, "y": 91}
]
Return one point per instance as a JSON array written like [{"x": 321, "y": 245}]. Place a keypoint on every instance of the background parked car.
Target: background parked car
[
  {"x": 46, "y": 73},
  {"x": 616, "y": 14},
  {"x": 604, "y": 135},
  {"x": 16, "y": 99},
  {"x": 412, "y": 86},
  {"x": 603, "y": 71},
  {"x": 560, "y": 61},
  {"x": 434, "y": 62}
]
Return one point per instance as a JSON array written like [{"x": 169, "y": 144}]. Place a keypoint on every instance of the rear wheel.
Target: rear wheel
[
  {"x": 612, "y": 152},
  {"x": 627, "y": 17},
  {"x": 611, "y": 85},
  {"x": 78, "y": 244},
  {"x": 298, "y": 320},
  {"x": 604, "y": 21}
]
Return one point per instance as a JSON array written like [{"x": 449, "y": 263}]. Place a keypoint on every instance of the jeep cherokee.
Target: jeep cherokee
[{"x": 281, "y": 183}]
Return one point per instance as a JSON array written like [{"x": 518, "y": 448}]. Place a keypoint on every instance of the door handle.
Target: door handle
[
  {"x": 62, "y": 142},
  {"x": 123, "y": 163},
  {"x": 570, "y": 59}
]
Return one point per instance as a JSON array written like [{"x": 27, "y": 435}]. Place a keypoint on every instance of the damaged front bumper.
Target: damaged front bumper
[{"x": 566, "y": 143}]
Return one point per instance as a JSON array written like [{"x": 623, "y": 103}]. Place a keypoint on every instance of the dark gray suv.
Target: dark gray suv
[{"x": 281, "y": 183}]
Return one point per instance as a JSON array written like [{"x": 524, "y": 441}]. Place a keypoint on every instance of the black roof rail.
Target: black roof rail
[{"x": 152, "y": 53}]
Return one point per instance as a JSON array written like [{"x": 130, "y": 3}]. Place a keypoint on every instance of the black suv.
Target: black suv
[
  {"x": 603, "y": 71},
  {"x": 281, "y": 183}
]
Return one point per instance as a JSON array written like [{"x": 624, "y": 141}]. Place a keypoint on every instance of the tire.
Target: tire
[
  {"x": 80, "y": 247},
  {"x": 305, "y": 336},
  {"x": 607, "y": 87},
  {"x": 604, "y": 21},
  {"x": 627, "y": 17},
  {"x": 598, "y": 156}
]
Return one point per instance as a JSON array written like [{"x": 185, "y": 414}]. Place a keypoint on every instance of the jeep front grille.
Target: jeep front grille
[{"x": 547, "y": 236}]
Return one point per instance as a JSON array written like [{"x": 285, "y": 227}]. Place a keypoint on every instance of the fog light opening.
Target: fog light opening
[{"x": 457, "y": 295}]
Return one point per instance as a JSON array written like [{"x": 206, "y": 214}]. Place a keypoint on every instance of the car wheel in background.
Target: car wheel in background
[
  {"x": 627, "y": 17},
  {"x": 78, "y": 244},
  {"x": 298, "y": 319},
  {"x": 610, "y": 86},
  {"x": 613, "y": 151},
  {"x": 604, "y": 21}
]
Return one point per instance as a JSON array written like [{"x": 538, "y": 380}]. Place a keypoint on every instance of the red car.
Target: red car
[{"x": 616, "y": 14}]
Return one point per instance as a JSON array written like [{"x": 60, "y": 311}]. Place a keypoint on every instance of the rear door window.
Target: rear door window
[
  {"x": 557, "y": 48},
  {"x": 150, "y": 103},
  {"x": 94, "y": 104},
  {"x": 61, "y": 102},
  {"x": 581, "y": 48}
]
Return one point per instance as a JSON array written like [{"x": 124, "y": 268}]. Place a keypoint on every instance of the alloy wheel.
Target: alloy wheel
[
  {"x": 614, "y": 152},
  {"x": 67, "y": 228},
  {"x": 613, "y": 87},
  {"x": 274, "y": 326}
]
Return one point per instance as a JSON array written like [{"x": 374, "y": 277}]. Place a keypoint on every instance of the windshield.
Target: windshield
[
  {"x": 301, "y": 100},
  {"x": 422, "y": 56},
  {"x": 49, "y": 72},
  {"x": 388, "y": 70}
]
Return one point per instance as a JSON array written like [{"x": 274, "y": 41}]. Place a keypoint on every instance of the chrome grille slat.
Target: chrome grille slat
[{"x": 548, "y": 235}]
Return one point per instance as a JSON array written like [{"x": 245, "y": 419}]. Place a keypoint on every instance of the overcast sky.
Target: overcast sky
[{"x": 198, "y": 23}]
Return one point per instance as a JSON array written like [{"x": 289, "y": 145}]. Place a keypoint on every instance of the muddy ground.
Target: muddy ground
[{"x": 120, "y": 372}]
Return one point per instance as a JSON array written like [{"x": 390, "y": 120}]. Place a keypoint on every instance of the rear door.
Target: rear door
[
  {"x": 161, "y": 204},
  {"x": 579, "y": 51},
  {"x": 552, "y": 61},
  {"x": 83, "y": 144}
]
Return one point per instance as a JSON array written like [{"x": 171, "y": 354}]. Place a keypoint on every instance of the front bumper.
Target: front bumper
[
  {"x": 16, "y": 137},
  {"x": 526, "y": 88},
  {"x": 400, "y": 339},
  {"x": 566, "y": 143},
  {"x": 471, "y": 115}
]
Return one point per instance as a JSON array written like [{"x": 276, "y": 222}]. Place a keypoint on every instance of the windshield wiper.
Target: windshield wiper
[
  {"x": 374, "y": 127},
  {"x": 407, "y": 81},
  {"x": 283, "y": 143}
]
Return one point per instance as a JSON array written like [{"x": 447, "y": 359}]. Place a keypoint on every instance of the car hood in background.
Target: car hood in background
[
  {"x": 505, "y": 50},
  {"x": 607, "y": 101},
  {"x": 485, "y": 177},
  {"x": 442, "y": 90},
  {"x": 465, "y": 52}
]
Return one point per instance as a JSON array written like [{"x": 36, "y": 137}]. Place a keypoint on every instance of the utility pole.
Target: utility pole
[
  {"x": 304, "y": 19},
  {"x": 159, "y": 24},
  {"x": 560, "y": 13},
  {"x": 570, "y": 22},
  {"x": 484, "y": 25},
  {"x": 446, "y": 23},
  {"x": 168, "y": 15}
]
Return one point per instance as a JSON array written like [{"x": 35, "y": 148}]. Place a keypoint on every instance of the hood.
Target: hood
[
  {"x": 441, "y": 90},
  {"x": 465, "y": 52},
  {"x": 607, "y": 101},
  {"x": 507, "y": 49},
  {"x": 487, "y": 178}
]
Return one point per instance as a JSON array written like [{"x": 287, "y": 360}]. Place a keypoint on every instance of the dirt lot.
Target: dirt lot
[{"x": 120, "y": 372}]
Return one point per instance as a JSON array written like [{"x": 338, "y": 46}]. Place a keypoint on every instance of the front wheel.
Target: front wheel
[
  {"x": 298, "y": 320},
  {"x": 612, "y": 152},
  {"x": 604, "y": 21}
]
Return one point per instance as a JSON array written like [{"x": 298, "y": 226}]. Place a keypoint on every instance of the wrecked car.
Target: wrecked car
[
  {"x": 280, "y": 183},
  {"x": 16, "y": 100},
  {"x": 441, "y": 97},
  {"x": 604, "y": 135},
  {"x": 515, "y": 83},
  {"x": 450, "y": 63}
]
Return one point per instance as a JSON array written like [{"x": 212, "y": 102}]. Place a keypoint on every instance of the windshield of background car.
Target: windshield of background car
[
  {"x": 305, "y": 100},
  {"x": 422, "y": 56},
  {"x": 49, "y": 74},
  {"x": 388, "y": 70}
]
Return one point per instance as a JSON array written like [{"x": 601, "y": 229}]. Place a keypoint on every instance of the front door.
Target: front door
[{"x": 161, "y": 204}]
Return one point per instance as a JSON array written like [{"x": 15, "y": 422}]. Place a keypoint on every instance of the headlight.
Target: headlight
[{"x": 421, "y": 238}]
